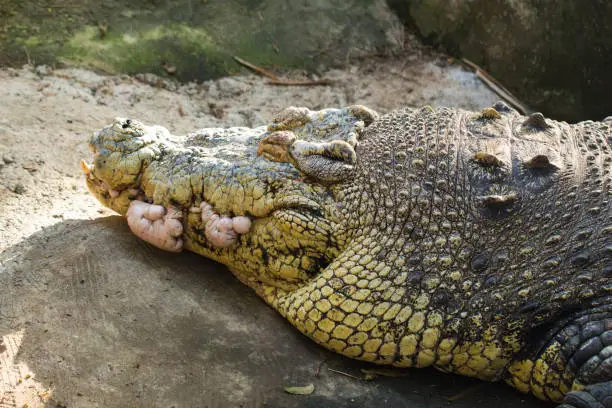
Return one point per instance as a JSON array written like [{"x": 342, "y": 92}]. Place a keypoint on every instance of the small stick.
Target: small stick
[
  {"x": 464, "y": 393},
  {"x": 255, "y": 68},
  {"x": 343, "y": 373},
  {"x": 27, "y": 55},
  {"x": 289, "y": 82},
  {"x": 324, "y": 50},
  {"x": 496, "y": 86}
]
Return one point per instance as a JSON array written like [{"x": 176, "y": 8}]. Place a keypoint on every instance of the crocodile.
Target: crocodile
[{"x": 479, "y": 243}]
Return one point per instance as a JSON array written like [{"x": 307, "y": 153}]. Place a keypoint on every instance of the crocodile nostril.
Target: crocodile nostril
[{"x": 126, "y": 124}]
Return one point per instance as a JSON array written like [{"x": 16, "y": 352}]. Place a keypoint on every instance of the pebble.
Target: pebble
[{"x": 19, "y": 188}]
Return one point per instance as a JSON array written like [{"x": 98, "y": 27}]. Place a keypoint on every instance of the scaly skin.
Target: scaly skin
[{"x": 479, "y": 243}]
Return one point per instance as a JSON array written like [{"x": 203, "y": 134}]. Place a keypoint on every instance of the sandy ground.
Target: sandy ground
[{"x": 92, "y": 317}]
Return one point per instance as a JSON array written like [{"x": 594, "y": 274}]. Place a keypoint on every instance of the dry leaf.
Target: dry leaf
[{"x": 305, "y": 390}]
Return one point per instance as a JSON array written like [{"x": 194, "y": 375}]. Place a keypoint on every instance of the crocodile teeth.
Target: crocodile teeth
[{"x": 86, "y": 167}]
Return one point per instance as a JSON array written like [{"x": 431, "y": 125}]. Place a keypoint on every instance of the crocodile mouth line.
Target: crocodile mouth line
[
  {"x": 290, "y": 202},
  {"x": 104, "y": 188},
  {"x": 219, "y": 231}
]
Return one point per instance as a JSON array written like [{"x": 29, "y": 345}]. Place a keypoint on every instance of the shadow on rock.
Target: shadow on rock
[{"x": 100, "y": 318}]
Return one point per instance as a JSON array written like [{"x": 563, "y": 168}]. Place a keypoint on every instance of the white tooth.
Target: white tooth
[
  {"x": 86, "y": 167},
  {"x": 113, "y": 193}
]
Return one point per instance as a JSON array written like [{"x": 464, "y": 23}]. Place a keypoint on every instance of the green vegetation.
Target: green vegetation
[{"x": 197, "y": 39}]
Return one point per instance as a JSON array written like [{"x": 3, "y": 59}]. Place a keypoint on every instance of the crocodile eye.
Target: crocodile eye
[{"x": 126, "y": 124}]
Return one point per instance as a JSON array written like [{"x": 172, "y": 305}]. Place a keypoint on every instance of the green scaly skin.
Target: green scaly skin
[{"x": 479, "y": 243}]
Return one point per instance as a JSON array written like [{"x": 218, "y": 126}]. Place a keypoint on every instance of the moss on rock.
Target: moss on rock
[{"x": 197, "y": 38}]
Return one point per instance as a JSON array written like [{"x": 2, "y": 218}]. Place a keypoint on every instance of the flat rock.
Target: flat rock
[{"x": 100, "y": 319}]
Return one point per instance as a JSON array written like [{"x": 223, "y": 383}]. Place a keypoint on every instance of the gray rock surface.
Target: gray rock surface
[
  {"x": 93, "y": 317},
  {"x": 555, "y": 56}
]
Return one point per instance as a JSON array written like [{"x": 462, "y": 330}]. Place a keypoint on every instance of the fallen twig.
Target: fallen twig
[
  {"x": 496, "y": 87},
  {"x": 103, "y": 29},
  {"x": 385, "y": 372},
  {"x": 289, "y": 82},
  {"x": 27, "y": 55},
  {"x": 255, "y": 68},
  {"x": 275, "y": 80},
  {"x": 323, "y": 50},
  {"x": 464, "y": 393},
  {"x": 344, "y": 374}
]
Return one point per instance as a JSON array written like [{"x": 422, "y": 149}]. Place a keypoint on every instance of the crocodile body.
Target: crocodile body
[{"x": 478, "y": 243}]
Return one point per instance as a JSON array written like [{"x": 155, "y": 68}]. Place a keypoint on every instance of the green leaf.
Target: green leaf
[{"x": 305, "y": 390}]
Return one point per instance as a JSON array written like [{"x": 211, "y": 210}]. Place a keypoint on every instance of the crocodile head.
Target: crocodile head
[
  {"x": 281, "y": 178},
  {"x": 122, "y": 151}
]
